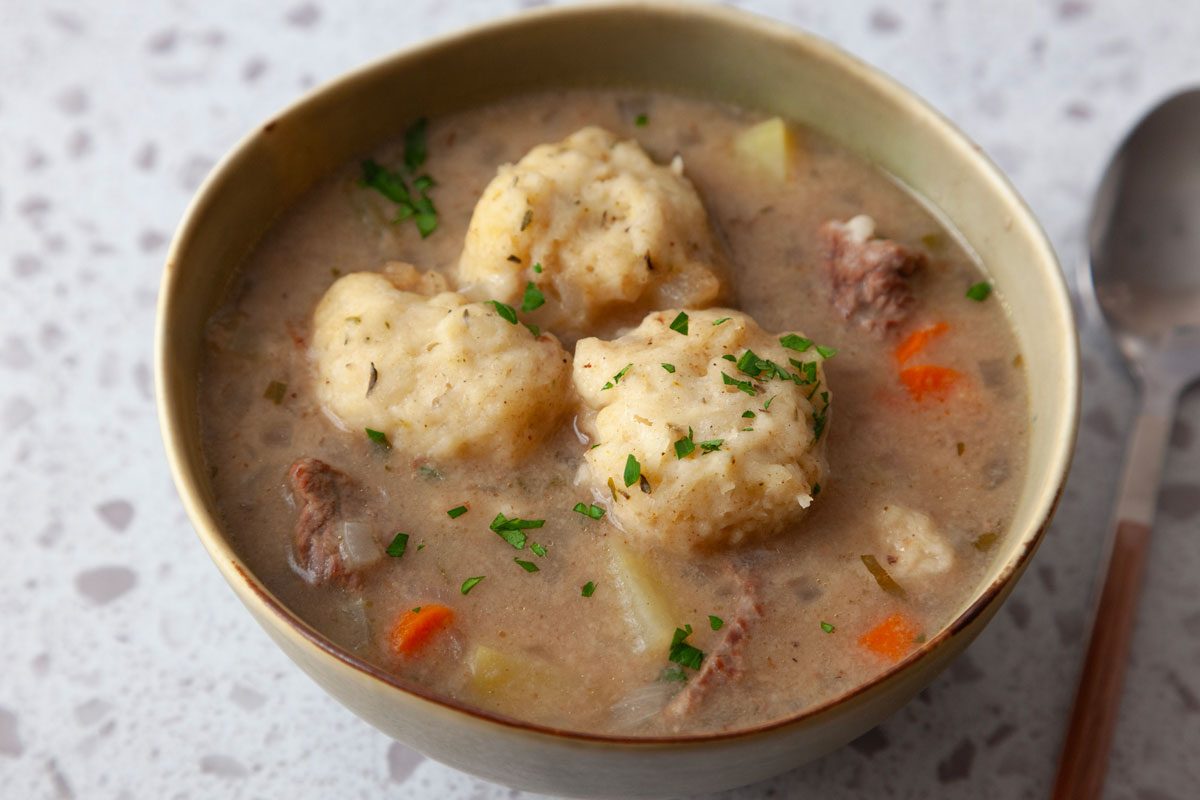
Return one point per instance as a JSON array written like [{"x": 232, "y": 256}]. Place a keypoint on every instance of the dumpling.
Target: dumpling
[
  {"x": 602, "y": 232},
  {"x": 441, "y": 376},
  {"x": 693, "y": 451}
]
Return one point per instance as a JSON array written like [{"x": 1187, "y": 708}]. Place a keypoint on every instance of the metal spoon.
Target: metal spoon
[{"x": 1144, "y": 239}]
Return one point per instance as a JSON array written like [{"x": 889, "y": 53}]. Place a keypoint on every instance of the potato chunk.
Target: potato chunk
[
  {"x": 441, "y": 376},
  {"x": 614, "y": 234},
  {"x": 723, "y": 452},
  {"x": 767, "y": 147}
]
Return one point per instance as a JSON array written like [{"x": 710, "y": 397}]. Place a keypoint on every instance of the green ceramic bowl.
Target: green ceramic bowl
[{"x": 702, "y": 51}]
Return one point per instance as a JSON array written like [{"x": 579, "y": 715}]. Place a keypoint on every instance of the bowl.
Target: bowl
[{"x": 713, "y": 53}]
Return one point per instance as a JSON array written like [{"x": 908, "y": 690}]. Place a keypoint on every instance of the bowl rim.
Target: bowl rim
[{"x": 243, "y": 580}]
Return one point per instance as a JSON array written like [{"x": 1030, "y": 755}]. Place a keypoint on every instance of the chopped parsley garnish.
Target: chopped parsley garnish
[
  {"x": 668, "y": 367},
  {"x": 419, "y": 207},
  {"x": 456, "y": 512},
  {"x": 825, "y": 626},
  {"x": 505, "y": 311},
  {"x": 685, "y": 447},
  {"x": 533, "y": 297},
  {"x": 527, "y": 219},
  {"x": 794, "y": 342},
  {"x": 594, "y": 511},
  {"x": 641, "y": 120},
  {"x": 617, "y": 378},
  {"x": 513, "y": 530},
  {"x": 372, "y": 380},
  {"x": 380, "y": 438},
  {"x": 721, "y": 320},
  {"x": 528, "y": 566},
  {"x": 826, "y": 352},
  {"x": 816, "y": 490},
  {"x": 716, "y": 622},
  {"x": 767, "y": 405},
  {"x": 537, "y": 268},
  {"x": 979, "y": 291},
  {"x": 748, "y": 414},
  {"x": 534, "y": 329},
  {"x": 416, "y": 609},
  {"x": 730, "y": 357},
  {"x": 712, "y": 445},
  {"x": 275, "y": 392},
  {"x": 471, "y": 583},
  {"x": 633, "y": 470},
  {"x": 538, "y": 550},
  {"x": 414, "y": 145},
  {"x": 680, "y": 323},
  {"x": 673, "y": 675},
  {"x": 398, "y": 546},
  {"x": 808, "y": 371},
  {"x": 744, "y": 386},
  {"x": 429, "y": 472},
  {"x": 588, "y": 589},
  {"x": 683, "y": 653}
]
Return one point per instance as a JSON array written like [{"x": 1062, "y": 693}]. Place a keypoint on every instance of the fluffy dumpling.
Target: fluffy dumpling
[
  {"x": 613, "y": 234},
  {"x": 915, "y": 547},
  {"x": 726, "y": 452},
  {"x": 441, "y": 376}
]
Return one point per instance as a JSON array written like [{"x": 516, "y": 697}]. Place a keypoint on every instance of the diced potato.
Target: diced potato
[
  {"x": 767, "y": 147},
  {"x": 513, "y": 682},
  {"x": 647, "y": 608},
  {"x": 493, "y": 671}
]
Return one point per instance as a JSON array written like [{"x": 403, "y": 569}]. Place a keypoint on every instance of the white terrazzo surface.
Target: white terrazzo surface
[{"x": 128, "y": 669}]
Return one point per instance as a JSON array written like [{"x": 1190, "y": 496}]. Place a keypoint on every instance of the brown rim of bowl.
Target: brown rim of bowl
[{"x": 208, "y": 528}]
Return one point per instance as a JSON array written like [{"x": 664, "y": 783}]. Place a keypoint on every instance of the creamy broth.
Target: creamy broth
[{"x": 957, "y": 460}]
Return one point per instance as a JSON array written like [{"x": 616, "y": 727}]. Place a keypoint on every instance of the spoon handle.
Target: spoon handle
[{"x": 1084, "y": 761}]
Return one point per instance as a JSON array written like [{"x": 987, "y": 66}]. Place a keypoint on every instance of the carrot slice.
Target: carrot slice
[
  {"x": 892, "y": 638},
  {"x": 918, "y": 341},
  {"x": 415, "y": 628},
  {"x": 929, "y": 380}
]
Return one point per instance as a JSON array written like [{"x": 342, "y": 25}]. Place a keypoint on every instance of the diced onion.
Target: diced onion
[{"x": 359, "y": 546}]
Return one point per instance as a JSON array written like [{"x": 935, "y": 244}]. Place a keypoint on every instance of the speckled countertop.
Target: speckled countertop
[{"x": 127, "y": 667}]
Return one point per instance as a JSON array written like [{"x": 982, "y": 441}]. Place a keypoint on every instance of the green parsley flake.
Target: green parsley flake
[
  {"x": 730, "y": 357},
  {"x": 683, "y": 653},
  {"x": 668, "y": 367},
  {"x": 979, "y": 291},
  {"x": 527, "y": 219},
  {"x": 505, "y": 311},
  {"x": 429, "y": 472},
  {"x": 794, "y": 342},
  {"x": 398, "y": 546},
  {"x": 418, "y": 208},
  {"x": 721, "y": 320},
  {"x": 825, "y": 626},
  {"x": 456, "y": 512},
  {"x": 767, "y": 405},
  {"x": 680, "y": 323},
  {"x": 685, "y": 446},
  {"x": 748, "y": 414},
  {"x": 380, "y": 438},
  {"x": 471, "y": 583},
  {"x": 275, "y": 392},
  {"x": 716, "y": 622},
  {"x": 534, "y": 329},
  {"x": 537, "y": 268},
  {"x": 744, "y": 386},
  {"x": 826, "y": 352},
  {"x": 538, "y": 550},
  {"x": 533, "y": 297},
  {"x": 528, "y": 566},
  {"x": 513, "y": 530},
  {"x": 594, "y": 511},
  {"x": 816, "y": 490},
  {"x": 588, "y": 589},
  {"x": 673, "y": 675},
  {"x": 414, "y": 145},
  {"x": 712, "y": 445},
  {"x": 633, "y": 470},
  {"x": 617, "y": 378},
  {"x": 641, "y": 120}
]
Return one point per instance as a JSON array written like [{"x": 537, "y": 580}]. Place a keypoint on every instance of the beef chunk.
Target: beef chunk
[
  {"x": 724, "y": 662},
  {"x": 869, "y": 277},
  {"x": 321, "y": 492}
]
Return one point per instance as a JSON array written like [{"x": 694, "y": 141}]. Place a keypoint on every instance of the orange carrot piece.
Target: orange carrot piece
[
  {"x": 918, "y": 341},
  {"x": 929, "y": 380},
  {"x": 892, "y": 638},
  {"x": 416, "y": 627}
]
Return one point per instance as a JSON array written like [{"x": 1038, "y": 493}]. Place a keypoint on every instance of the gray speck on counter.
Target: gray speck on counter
[{"x": 102, "y": 585}]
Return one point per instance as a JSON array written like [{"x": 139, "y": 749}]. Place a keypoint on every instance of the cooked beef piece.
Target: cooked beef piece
[
  {"x": 869, "y": 276},
  {"x": 320, "y": 492},
  {"x": 724, "y": 662}
]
